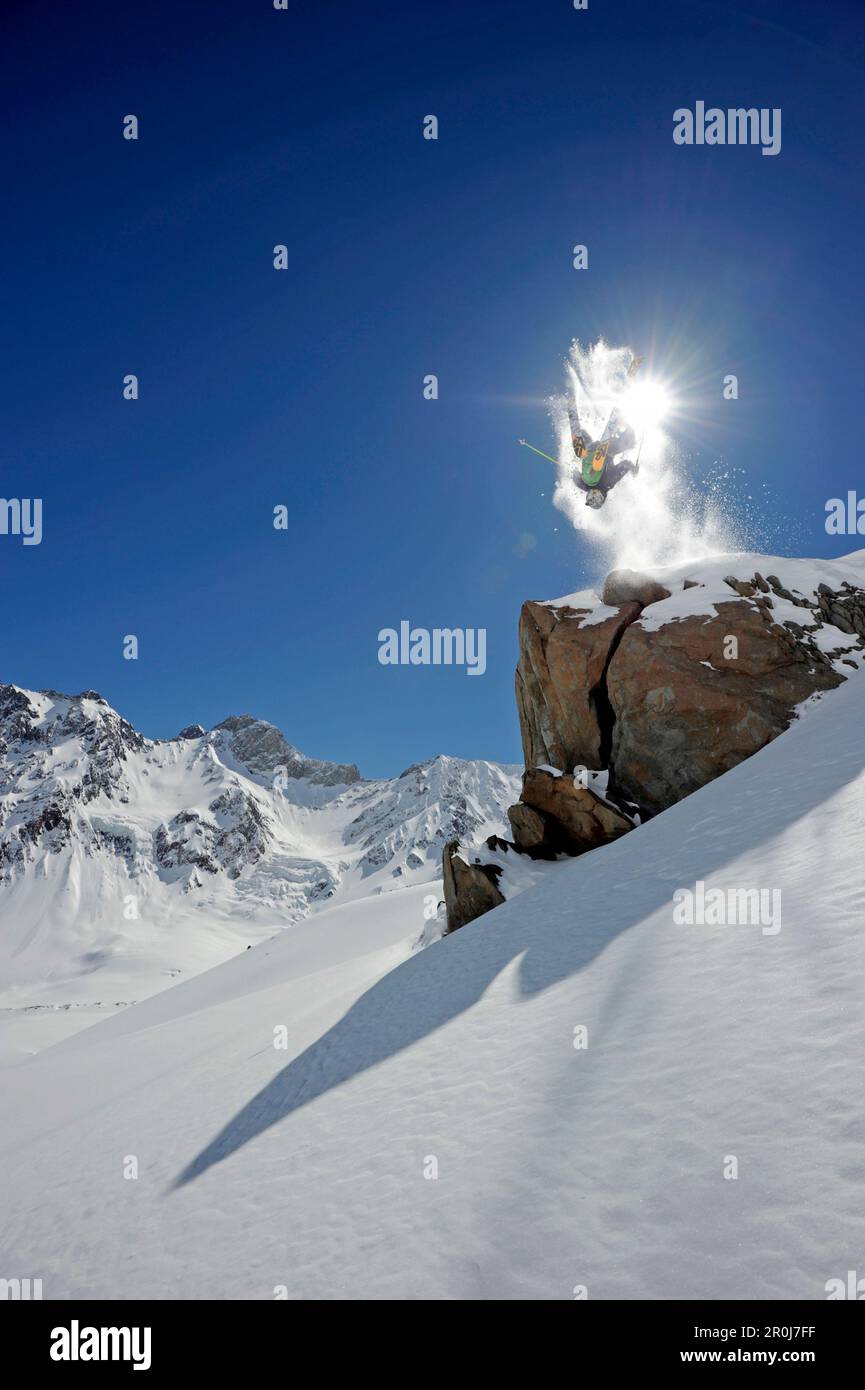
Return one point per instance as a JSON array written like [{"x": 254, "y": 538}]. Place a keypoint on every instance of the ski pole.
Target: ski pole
[{"x": 541, "y": 452}]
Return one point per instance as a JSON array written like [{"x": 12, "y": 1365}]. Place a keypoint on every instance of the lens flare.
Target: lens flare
[{"x": 646, "y": 404}]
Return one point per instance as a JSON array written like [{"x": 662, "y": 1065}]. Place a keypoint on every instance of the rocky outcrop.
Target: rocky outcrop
[
  {"x": 530, "y": 831},
  {"x": 561, "y": 683},
  {"x": 667, "y": 707},
  {"x": 470, "y": 889},
  {"x": 556, "y": 815}
]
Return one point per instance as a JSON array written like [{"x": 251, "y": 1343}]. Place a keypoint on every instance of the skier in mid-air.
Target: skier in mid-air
[{"x": 597, "y": 471}]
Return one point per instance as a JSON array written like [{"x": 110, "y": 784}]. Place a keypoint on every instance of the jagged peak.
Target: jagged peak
[
  {"x": 264, "y": 750},
  {"x": 54, "y": 694},
  {"x": 242, "y": 721},
  {"x": 45, "y": 715},
  {"x": 257, "y": 743}
]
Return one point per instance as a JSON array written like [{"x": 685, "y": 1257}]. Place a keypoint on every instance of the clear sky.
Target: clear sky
[{"x": 406, "y": 257}]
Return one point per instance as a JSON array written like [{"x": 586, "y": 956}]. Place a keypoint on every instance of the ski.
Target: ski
[{"x": 615, "y": 420}]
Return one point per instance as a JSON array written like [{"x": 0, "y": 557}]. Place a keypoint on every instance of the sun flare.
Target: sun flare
[{"x": 646, "y": 404}]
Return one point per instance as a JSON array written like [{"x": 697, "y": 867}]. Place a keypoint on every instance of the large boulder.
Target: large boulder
[
  {"x": 557, "y": 815},
  {"x": 529, "y": 830},
  {"x": 629, "y": 586},
  {"x": 560, "y": 683},
  {"x": 470, "y": 889}
]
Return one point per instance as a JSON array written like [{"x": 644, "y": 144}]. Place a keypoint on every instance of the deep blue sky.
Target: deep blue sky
[{"x": 407, "y": 257}]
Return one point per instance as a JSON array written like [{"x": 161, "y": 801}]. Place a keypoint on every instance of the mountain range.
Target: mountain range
[{"x": 126, "y": 862}]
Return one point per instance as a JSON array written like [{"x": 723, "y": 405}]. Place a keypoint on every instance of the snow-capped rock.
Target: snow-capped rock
[{"x": 670, "y": 679}]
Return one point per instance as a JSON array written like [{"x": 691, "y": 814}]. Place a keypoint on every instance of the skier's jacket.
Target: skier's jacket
[
  {"x": 594, "y": 462},
  {"x": 597, "y": 466}
]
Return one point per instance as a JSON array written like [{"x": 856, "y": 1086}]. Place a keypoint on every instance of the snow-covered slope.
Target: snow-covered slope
[
  {"x": 126, "y": 862},
  {"x": 431, "y": 1131}
]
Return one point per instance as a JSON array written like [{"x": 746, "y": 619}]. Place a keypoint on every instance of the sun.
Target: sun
[{"x": 645, "y": 404}]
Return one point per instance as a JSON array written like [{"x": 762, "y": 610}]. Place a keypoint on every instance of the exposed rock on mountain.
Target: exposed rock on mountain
[
  {"x": 262, "y": 748},
  {"x": 236, "y": 833},
  {"x": 684, "y": 714},
  {"x": 427, "y": 805},
  {"x": 627, "y": 586},
  {"x": 470, "y": 889},
  {"x": 530, "y": 831},
  {"x": 57, "y": 753},
  {"x": 571, "y": 818},
  {"x": 560, "y": 681}
]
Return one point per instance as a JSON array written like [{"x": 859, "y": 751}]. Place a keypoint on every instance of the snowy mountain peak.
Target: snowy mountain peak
[
  {"x": 264, "y": 750},
  {"x": 49, "y": 717},
  {"x": 192, "y": 731}
]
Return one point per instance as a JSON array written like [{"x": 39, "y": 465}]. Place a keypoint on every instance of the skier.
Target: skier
[{"x": 597, "y": 471}]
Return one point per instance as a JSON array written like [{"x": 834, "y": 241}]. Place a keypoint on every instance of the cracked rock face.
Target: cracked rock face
[
  {"x": 684, "y": 715},
  {"x": 560, "y": 679}
]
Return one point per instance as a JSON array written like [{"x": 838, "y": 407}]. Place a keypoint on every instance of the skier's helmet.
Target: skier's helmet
[{"x": 595, "y": 498}]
